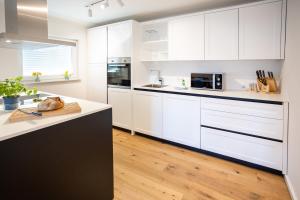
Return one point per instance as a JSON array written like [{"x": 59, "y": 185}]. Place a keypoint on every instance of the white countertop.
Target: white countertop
[
  {"x": 226, "y": 93},
  {"x": 10, "y": 130}
]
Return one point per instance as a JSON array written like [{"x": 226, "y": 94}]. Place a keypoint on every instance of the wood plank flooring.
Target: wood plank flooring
[{"x": 149, "y": 170}]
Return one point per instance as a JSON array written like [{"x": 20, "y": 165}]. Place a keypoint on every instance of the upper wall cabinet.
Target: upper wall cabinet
[
  {"x": 260, "y": 31},
  {"x": 120, "y": 39},
  {"x": 186, "y": 38},
  {"x": 97, "y": 45},
  {"x": 221, "y": 35}
]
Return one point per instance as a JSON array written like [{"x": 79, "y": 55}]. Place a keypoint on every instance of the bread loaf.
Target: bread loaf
[{"x": 51, "y": 103}]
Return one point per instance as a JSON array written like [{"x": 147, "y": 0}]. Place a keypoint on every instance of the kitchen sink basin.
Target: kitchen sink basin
[{"x": 154, "y": 86}]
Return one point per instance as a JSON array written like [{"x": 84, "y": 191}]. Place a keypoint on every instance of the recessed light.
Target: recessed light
[{"x": 8, "y": 41}]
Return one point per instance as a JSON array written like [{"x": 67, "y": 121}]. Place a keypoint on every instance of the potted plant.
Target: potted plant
[
  {"x": 67, "y": 75},
  {"x": 10, "y": 90},
  {"x": 36, "y": 76}
]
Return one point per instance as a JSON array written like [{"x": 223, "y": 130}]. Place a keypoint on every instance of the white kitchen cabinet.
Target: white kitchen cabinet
[
  {"x": 255, "y": 150},
  {"x": 97, "y": 82},
  {"x": 147, "y": 112},
  {"x": 261, "y": 110},
  {"x": 120, "y": 39},
  {"x": 97, "y": 45},
  {"x": 260, "y": 29},
  {"x": 181, "y": 119},
  {"x": 186, "y": 38},
  {"x": 252, "y": 125},
  {"x": 222, "y": 35},
  {"x": 121, "y": 102}
]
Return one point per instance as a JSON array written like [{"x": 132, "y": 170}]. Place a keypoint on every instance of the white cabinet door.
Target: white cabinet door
[
  {"x": 147, "y": 113},
  {"x": 120, "y": 39},
  {"x": 120, "y": 99},
  {"x": 97, "y": 82},
  {"x": 181, "y": 119},
  {"x": 255, "y": 150},
  {"x": 97, "y": 45},
  {"x": 222, "y": 35},
  {"x": 260, "y": 31},
  {"x": 186, "y": 38}
]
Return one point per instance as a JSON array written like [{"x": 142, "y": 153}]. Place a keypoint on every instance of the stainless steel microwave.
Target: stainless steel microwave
[{"x": 207, "y": 81}]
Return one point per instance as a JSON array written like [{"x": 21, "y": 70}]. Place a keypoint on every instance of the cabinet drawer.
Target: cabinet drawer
[
  {"x": 257, "y": 126},
  {"x": 259, "y": 151},
  {"x": 245, "y": 108}
]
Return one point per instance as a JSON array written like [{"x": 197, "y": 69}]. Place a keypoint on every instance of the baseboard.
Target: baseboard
[{"x": 290, "y": 187}]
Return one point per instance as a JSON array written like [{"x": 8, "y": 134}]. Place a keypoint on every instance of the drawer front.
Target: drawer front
[
  {"x": 245, "y": 108},
  {"x": 258, "y": 151},
  {"x": 256, "y": 126}
]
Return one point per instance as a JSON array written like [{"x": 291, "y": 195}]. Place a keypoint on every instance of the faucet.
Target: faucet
[{"x": 159, "y": 78}]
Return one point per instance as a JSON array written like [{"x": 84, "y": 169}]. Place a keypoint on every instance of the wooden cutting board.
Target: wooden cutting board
[{"x": 69, "y": 108}]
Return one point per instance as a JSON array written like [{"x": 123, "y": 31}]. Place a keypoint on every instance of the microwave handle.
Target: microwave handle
[{"x": 214, "y": 82}]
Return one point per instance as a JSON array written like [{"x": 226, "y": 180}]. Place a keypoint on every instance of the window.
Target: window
[{"x": 51, "y": 61}]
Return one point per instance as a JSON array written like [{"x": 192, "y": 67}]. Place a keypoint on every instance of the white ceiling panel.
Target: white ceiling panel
[{"x": 141, "y": 10}]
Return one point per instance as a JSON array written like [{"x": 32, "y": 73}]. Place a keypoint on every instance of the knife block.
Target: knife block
[{"x": 270, "y": 87}]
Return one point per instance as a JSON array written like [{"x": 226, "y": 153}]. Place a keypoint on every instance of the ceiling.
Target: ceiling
[{"x": 140, "y": 10}]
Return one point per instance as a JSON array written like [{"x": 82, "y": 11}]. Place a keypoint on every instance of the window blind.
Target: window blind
[{"x": 49, "y": 61}]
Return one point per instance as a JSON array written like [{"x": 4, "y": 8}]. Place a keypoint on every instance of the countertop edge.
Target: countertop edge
[
  {"x": 221, "y": 96},
  {"x": 52, "y": 123}
]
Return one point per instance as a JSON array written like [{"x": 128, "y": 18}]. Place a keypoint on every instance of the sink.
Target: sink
[{"x": 154, "y": 86}]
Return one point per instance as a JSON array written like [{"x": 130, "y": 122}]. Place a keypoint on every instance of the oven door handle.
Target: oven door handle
[{"x": 117, "y": 65}]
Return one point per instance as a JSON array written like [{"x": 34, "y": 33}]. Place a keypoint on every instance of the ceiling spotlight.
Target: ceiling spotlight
[
  {"x": 104, "y": 5},
  {"x": 8, "y": 41},
  {"x": 121, "y": 3},
  {"x": 90, "y": 12}
]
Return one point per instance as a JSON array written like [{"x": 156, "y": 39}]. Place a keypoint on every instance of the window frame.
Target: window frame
[{"x": 58, "y": 78}]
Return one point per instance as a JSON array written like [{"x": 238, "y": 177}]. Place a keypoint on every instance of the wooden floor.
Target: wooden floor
[{"x": 146, "y": 170}]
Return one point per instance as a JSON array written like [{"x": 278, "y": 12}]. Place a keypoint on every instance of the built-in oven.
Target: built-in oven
[
  {"x": 119, "y": 72},
  {"x": 207, "y": 81}
]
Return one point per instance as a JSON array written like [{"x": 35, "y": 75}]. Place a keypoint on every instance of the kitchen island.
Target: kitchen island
[{"x": 58, "y": 158}]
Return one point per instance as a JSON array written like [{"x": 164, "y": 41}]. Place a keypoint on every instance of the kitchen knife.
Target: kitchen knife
[
  {"x": 38, "y": 114},
  {"x": 260, "y": 75},
  {"x": 263, "y": 73},
  {"x": 257, "y": 74},
  {"x": 272, "y": 75},
  {"x": 262, "y": 78}
]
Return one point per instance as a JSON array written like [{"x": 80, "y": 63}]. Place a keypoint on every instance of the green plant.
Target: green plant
[
  {"x": 13, "y": 87},
  {"x": 67, "y": 75},
  {"x": 36, "y": 76}
]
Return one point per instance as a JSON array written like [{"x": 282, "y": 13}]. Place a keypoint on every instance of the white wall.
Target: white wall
[
  {"x": 238, "y": 74},
  {"x": 291, "y": 71},
  {"x": 11, "y": 60}
]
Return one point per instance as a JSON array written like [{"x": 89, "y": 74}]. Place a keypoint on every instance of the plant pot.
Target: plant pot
[{"x": 11, "y": 103}]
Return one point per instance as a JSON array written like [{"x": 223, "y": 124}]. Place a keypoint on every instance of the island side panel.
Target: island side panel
[{"x": 71, "y": 160}]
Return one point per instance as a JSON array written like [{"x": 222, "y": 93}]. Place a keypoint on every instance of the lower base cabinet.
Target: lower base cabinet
[
  {"x": 121, "y": 101},
  {"x": 178, "y": 118},
  {"x": 181, "y": 119},
  {"x": 255, "y": 150},
  {"x": 147, "y": 113}
]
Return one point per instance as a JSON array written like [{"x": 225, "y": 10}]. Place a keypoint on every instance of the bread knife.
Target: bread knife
[{"x": 38, "y": 114}]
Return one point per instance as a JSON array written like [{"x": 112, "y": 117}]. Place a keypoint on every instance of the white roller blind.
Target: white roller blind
[{"x": 49, "y": 61}]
